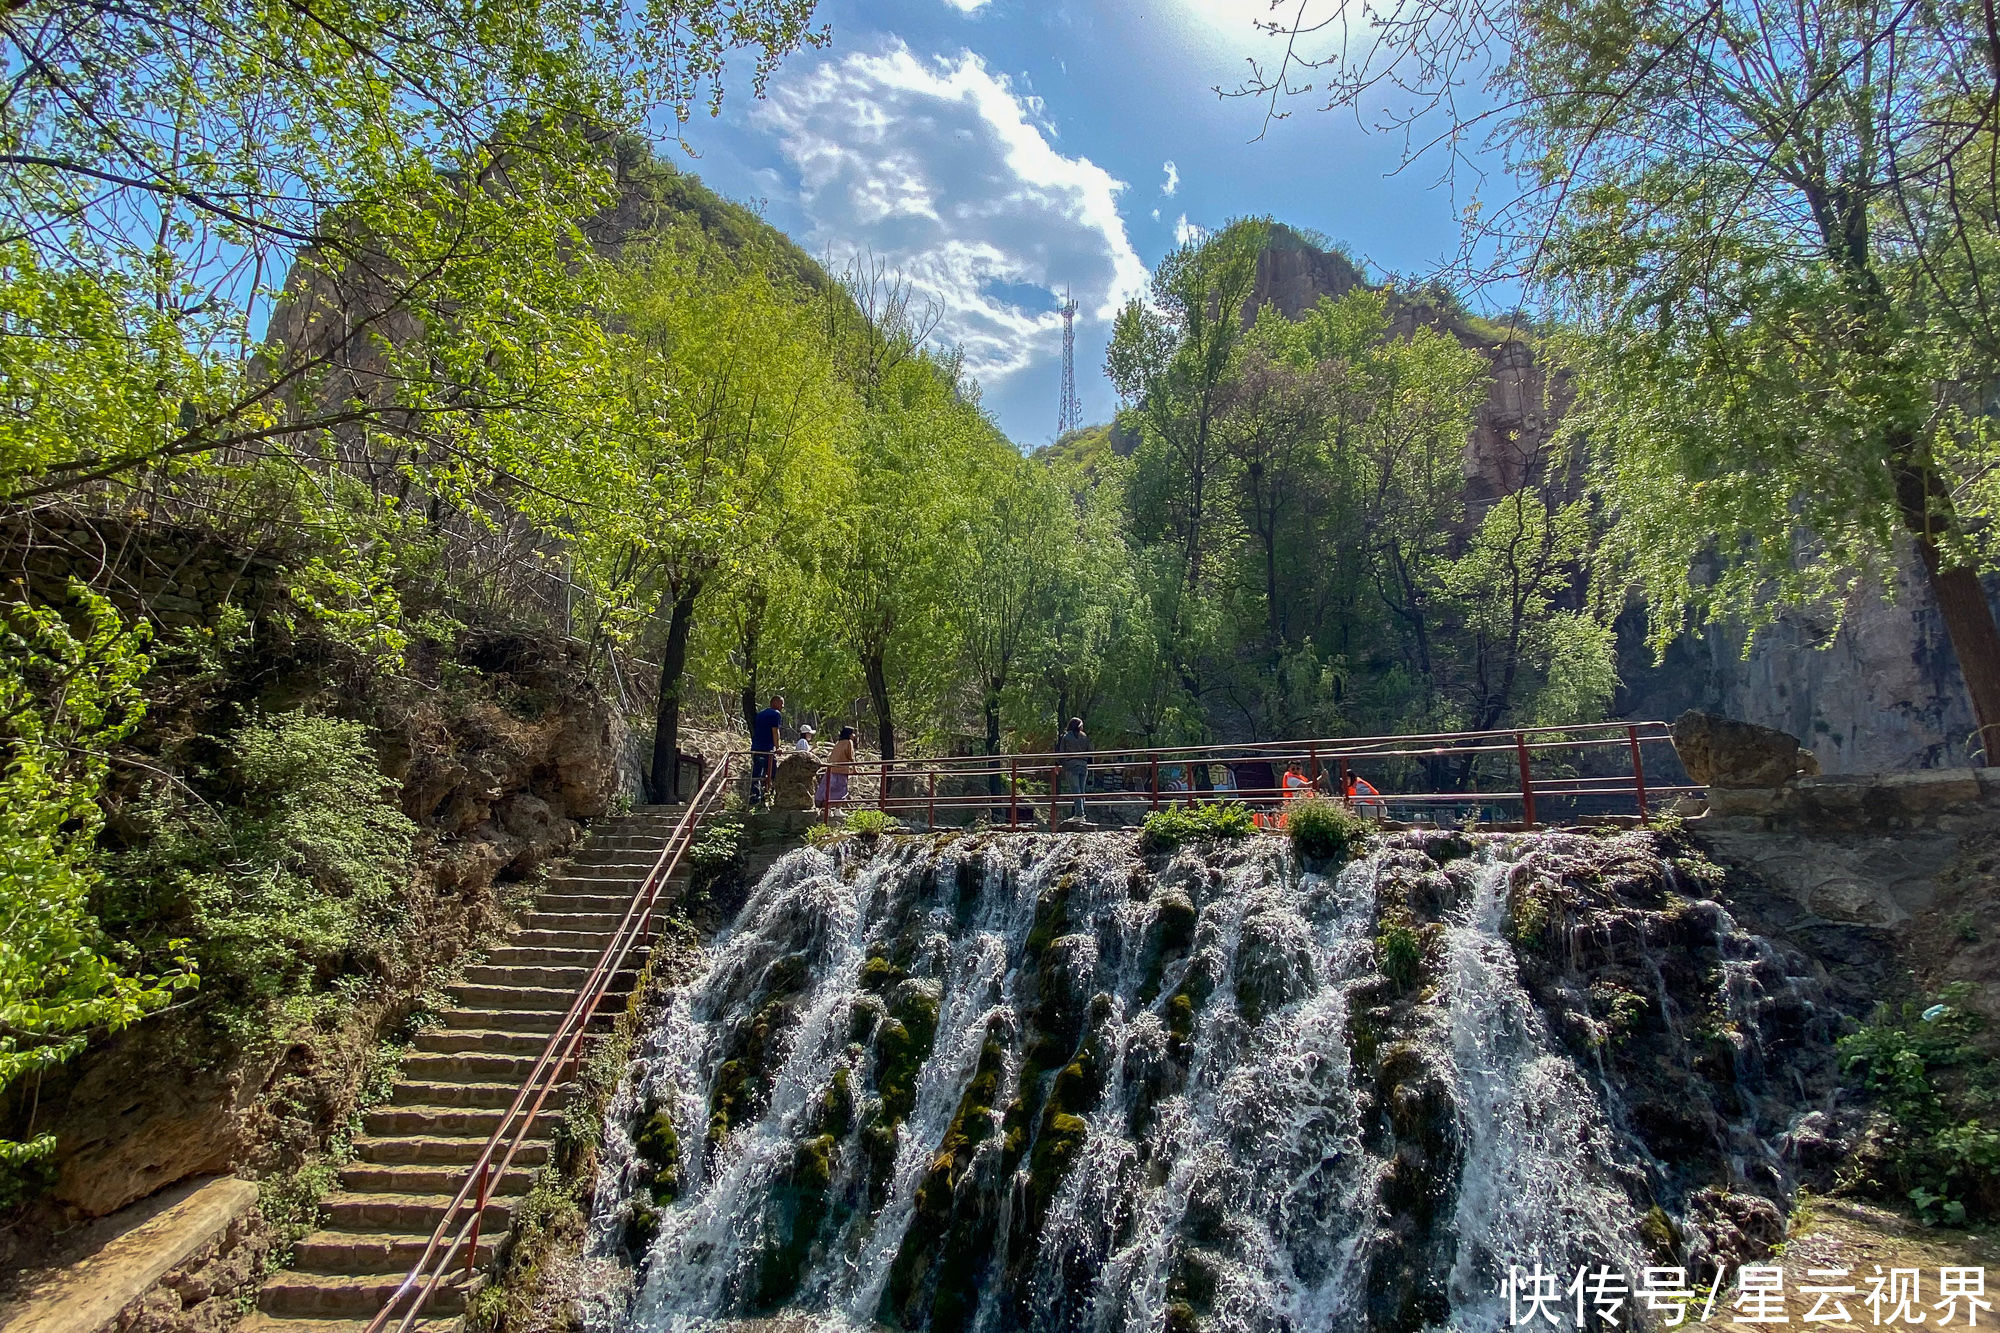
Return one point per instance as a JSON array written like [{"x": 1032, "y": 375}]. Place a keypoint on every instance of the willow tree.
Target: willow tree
[
  {"x": 731, "y": 414},
  {"x": 1774, "y": 228}
]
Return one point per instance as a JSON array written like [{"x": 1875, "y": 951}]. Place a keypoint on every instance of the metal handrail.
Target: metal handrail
[
  {"x": 1335, "y": 754},
  {"x": 558, "y": 1056}
]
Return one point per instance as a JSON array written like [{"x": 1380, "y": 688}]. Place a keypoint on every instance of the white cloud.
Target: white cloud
[
  {"x": 945, "y": 170},
  {"x": 967, "y": 6},
  {"x": 1185, "y": 231},
  {"x": 1173, "y": 181}
]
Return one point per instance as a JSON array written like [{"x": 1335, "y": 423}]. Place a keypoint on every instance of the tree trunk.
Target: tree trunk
[
  {"x": 1925, "y": 501},
  {"x": 753, "y": 633},
  {"x": 993, "y": 783},
  {"x": 878, "y": 694},
  {"x": 666, "y": 780},
  {"x": 1968, "y": 621}
]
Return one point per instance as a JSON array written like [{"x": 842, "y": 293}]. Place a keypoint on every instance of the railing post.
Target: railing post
[
  {"x": 1055, "y": 794},
  {"x": 1014, "y": 795},
  {"x": 1155, "y": 781},
  {"x": 1638, "y": 770},
  {"x": 1313, "y": 762},
  {"x": 882, "y": 788},
  {"x": 931, "y": 819},
  {"x": 1527, "y": 783}
]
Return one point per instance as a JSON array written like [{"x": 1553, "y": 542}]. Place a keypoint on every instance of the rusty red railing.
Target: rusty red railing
[
  {"x": 559, "y": 1058},
  {"x": 1597, "y": 768}
]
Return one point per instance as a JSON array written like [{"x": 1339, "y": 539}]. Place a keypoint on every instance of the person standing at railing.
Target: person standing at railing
[
  {"x": 1361, "y": 794},
  {"x": 764, "y": 729},
  {"x": 833, "y": 778},
  {"x": 1075, "y": 771}
]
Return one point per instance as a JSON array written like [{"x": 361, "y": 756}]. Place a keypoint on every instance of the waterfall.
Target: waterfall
[{"x": 1020, "y": 1082}]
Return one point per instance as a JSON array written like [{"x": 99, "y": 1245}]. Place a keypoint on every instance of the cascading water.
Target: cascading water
[{"x": 1005, "y": 1082}]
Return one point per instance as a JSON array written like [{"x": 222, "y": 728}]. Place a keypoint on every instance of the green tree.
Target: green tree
[
  {"x": 421, "y": 170},
  {"x": 1773, "y": 228},
  {"x": 732, "y": 414},
  {"x": 65, "y": 699}
]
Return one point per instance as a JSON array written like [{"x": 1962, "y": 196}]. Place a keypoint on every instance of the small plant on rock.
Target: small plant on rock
[
  {"x": 871, "y": 823},
  {"x": 1165, "y": 829},
  {"x": 1324, "y": 830}
]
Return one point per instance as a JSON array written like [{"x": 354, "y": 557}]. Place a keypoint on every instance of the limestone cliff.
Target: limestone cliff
[{"x": 1882, "y": 694}]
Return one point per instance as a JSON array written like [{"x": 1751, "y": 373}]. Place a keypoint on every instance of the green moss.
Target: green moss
[
  {"x": 878, "y": 974},
  {"x": 1051, "y": 917},
  {"x": 641, "y": 1229},
  {"x": 1180, "y": 1318},
  {"x": 793, "y": 1212},
  {"x": 658, "y": 1147},
  {"x": 836, "y": 1105},
  {"x": 1657, "y": 1230}
]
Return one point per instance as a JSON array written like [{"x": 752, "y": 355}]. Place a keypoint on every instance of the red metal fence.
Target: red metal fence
[
  {"x": 1475, "y": 776},
  {"x": 456, "y": 1237}
]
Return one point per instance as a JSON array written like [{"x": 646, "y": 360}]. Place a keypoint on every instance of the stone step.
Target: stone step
[
  {"x": 405, "y": 1212},
  {"x": 419, "y": 1178},
  {"x": 352, "y": 1296},
  {"x": 601, "y": 860},
  {"x": 466, "y": 1041},
  {"x": 591, "y": 940},
  {"x": 478, "y": 1095},
  {"x": 509, "y": 955},
  {"x": 608, "y": 904},
  {"x": 540, "y": 976},
  {"x": 400, "y": 1120},
  {"x": 259, "y": 1322},
  {"x": 508, "y": 1018},
  {"x": 470, "y": 1066},
  {"x": 446, "y": 1150},
  {"x": 371, "y": 1251},
  {"x": 473, "y": 995},
  {"x": 601, "y": 924}
]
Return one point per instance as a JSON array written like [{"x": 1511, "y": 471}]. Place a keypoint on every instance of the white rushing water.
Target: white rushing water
[{"x": 1231, "y": 1161}]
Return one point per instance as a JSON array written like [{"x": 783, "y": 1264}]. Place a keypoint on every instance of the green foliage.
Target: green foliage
[
  {"x": 1324, "y": 830},
  {"x": 1942, "y": 1091},
  {"x": 66, "y": 697},
  {"x": 1399, "y": 952},
  {"x": 866, "y": 823},
  {"x": 283, "y": 881},
  {"x": 1169, "y": 828}
]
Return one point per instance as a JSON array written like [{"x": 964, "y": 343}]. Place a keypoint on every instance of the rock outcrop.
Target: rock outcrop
[{"x": 1722, "y": 752}]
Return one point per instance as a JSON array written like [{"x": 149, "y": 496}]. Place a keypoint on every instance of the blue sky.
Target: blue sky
[{"x": 996, "y": 150}]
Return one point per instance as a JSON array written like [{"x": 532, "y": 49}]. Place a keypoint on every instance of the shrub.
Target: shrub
[
  {"x": 1399, "y": 952},
  {"x": 1170, "y": 828},
  {"x": 1942, "y": 1093},
  {"x": 284, "y": 878},
  {"x": 870, "y": 823},
  {"x": 1324, "y": 830}
]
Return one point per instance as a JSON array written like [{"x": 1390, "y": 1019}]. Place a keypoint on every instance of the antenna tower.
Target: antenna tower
[{"x": 1069, "y": 412}]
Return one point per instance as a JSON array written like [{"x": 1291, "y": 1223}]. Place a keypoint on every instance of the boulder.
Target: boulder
[
  {"x": 1722, "y": 752},
  {"x": 792, "y": 786}
]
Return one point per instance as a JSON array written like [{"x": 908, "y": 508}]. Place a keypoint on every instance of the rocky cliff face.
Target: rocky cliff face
[{"x": 1883, "y": 694}]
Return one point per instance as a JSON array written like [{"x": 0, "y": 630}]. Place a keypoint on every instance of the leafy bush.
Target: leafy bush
[
  {"x": 870, "y": 823},
  {"x": 290, "y": 871},
  {"x": 64, "y": 701},
  {"x": 1399, "y": 952},
  {"x": 1324, "y": 830},
  {"x": 1171, "y": 827},
  {"x": 1943, "y": 1095}
]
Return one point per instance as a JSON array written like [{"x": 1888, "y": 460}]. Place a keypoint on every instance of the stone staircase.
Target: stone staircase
[{"x": 452, "y": 1091}]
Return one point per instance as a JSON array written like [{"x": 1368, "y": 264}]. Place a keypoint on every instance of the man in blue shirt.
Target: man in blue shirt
[{"x": 764, "y": 731}]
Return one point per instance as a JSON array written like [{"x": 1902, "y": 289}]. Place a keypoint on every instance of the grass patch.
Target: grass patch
[{"x": 1166, "y": 829}]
